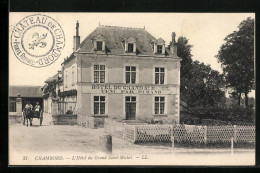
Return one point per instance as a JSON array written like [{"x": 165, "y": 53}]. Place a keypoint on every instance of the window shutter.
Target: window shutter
[
  {"x": 126, "y": 46},
  {"x": 155, "y": 47},
  {"x": 103, "y": 45},
  {"x": 163, "y": 49},
  {"x": 134, "y": 47},
  {"x": 95, "y": 44}
]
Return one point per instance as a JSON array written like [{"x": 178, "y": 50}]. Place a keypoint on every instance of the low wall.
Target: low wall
[
  {"x": 66, "y": 119},
  {"x": 14, "y": 118},
  {"x": 95, "y": 122}
]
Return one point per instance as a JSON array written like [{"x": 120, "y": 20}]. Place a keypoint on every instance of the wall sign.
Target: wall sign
[{"x": 126, "y": 89}]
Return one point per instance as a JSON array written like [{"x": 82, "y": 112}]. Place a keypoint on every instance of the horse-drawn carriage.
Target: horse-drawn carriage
[{"x": 29, "y": 114}]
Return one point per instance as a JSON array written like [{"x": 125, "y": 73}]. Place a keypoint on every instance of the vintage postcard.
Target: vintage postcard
[{"x": 131, "y": 88}]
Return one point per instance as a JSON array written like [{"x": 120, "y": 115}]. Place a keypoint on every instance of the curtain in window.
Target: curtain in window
[
  {"x": 96, "y": 76},
  {"x": 161, "y": 78},
  {"x": 156, "y": 78},
  {"x": 127, "y": 75},
  {"x": 133, "y": 77},
  {"x": 102, "y": 77},
  {"x": 96, "y": 108}
]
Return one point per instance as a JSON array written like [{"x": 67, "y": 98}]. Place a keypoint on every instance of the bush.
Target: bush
[{"x": 218, "y": 116}]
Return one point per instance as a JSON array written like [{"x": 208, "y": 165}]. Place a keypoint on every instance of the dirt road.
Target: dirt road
[{"x": 69, "y": 141}]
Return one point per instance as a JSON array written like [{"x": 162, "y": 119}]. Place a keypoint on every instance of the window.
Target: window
[
  {"x": 12, "y": 105},
  {"x": 159, "y": 105},
  {"x": 66, "y": 79},
  {"x": 99, "y": 45},
  {"x": 159, "y": 49},
  {"x": 130, "y": 73},
  {"x": 130, "y": 107},
  {"x": 99, "y": 104},
  {"x": 99, "y": 73},
  {"x": 159, "y": 75},
  {"x": 72, "y": 75},
  {"x": 130, "y": 47}
]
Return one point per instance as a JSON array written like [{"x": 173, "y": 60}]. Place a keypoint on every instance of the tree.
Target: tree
[
  {"x": 194, "y": 90},
  {"x": 184, "y": 51},
  {"x": 237, "y": 58},
  {"x": 205, "y": 86}
]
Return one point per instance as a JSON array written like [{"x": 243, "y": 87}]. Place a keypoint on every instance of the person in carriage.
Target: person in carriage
[
  {"x": 38, "y": 112},
  {"x": 37, "y": 108},
  {"x": 28, "y": 106}
]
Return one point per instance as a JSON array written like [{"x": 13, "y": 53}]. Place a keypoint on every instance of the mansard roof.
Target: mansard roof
[{"x": 115, "y": 36}]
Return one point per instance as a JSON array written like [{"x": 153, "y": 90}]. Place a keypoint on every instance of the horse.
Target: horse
[{"x": 28, "y": 115}]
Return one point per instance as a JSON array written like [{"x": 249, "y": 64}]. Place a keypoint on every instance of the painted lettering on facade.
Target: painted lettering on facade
[{"x": 126, "y": 89}]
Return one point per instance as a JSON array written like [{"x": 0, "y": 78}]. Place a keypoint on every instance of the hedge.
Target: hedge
[{"x": 218, "y": 116}]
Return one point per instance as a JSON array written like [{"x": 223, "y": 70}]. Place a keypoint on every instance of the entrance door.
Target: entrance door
[{"x": 130, "y": 108}]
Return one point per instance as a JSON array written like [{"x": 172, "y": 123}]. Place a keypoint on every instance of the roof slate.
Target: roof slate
[
  {"x": 114, "y": 37},
  {"x": 25, "y": 91}
]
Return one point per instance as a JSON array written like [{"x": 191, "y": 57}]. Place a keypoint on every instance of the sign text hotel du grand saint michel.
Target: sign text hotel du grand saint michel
[
  {"x": 37, "y": 40},
  {"x": 125, "y": 89}
]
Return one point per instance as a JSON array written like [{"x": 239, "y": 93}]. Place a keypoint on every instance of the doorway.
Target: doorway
[{"x": 130, "y": 107}]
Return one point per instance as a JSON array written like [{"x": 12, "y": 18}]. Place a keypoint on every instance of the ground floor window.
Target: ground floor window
[
  {"x": 159, "y": 105},
  {"x": 99, "y": 104},
  {"x": 12, "y": 105}
]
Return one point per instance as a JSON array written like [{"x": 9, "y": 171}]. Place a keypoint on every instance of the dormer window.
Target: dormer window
[
  {"x": 159, "y": 49},
  {"x": 130, "y": 45},
  {"x": 159, "y": 46},
  {"x": 99, "y": 43}
]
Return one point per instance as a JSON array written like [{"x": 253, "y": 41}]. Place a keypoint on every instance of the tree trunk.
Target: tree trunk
[
  {"x": 239, "y": 98},
  {"x": 246, "y": 99}
]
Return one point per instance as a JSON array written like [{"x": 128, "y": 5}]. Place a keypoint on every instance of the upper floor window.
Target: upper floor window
[
  {"x": 66, "y": 79},
  {"x": 159, "y": 103},
  {"x": 72, "y": 76},
  {"x": 130, "y": 47},
  {"x": 159, "y": 49},
  {"x": 159, "y": 75},
  {"x": 99, "y": 73},
  {"x": 159, "y": 46},
  {"x": 99, "y": 104},
  {"x": 130, "y": 73},
  {"x": 99, "y": 45}
]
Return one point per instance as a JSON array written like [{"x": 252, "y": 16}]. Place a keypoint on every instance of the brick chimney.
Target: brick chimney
[
  {"x": 173, "y": 47},
  {"x": 76, "y": 39}
]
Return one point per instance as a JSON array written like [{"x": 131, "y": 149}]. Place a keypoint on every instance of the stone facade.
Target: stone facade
[{"x": 99, "y": 71}]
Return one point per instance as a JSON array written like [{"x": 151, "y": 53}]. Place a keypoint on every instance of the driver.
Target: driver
[
  {"x": 37, "y": 107},
  {"x": 28, "y": 106}
]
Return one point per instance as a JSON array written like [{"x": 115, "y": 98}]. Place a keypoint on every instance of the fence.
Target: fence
[
  {"x": 66, "y": 108},
  {"x": 120, "y": 130},
  {"x": 181, "y": 133}
]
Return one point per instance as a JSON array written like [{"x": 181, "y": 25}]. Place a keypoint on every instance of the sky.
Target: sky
[{"x": 205, "y": 31}]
